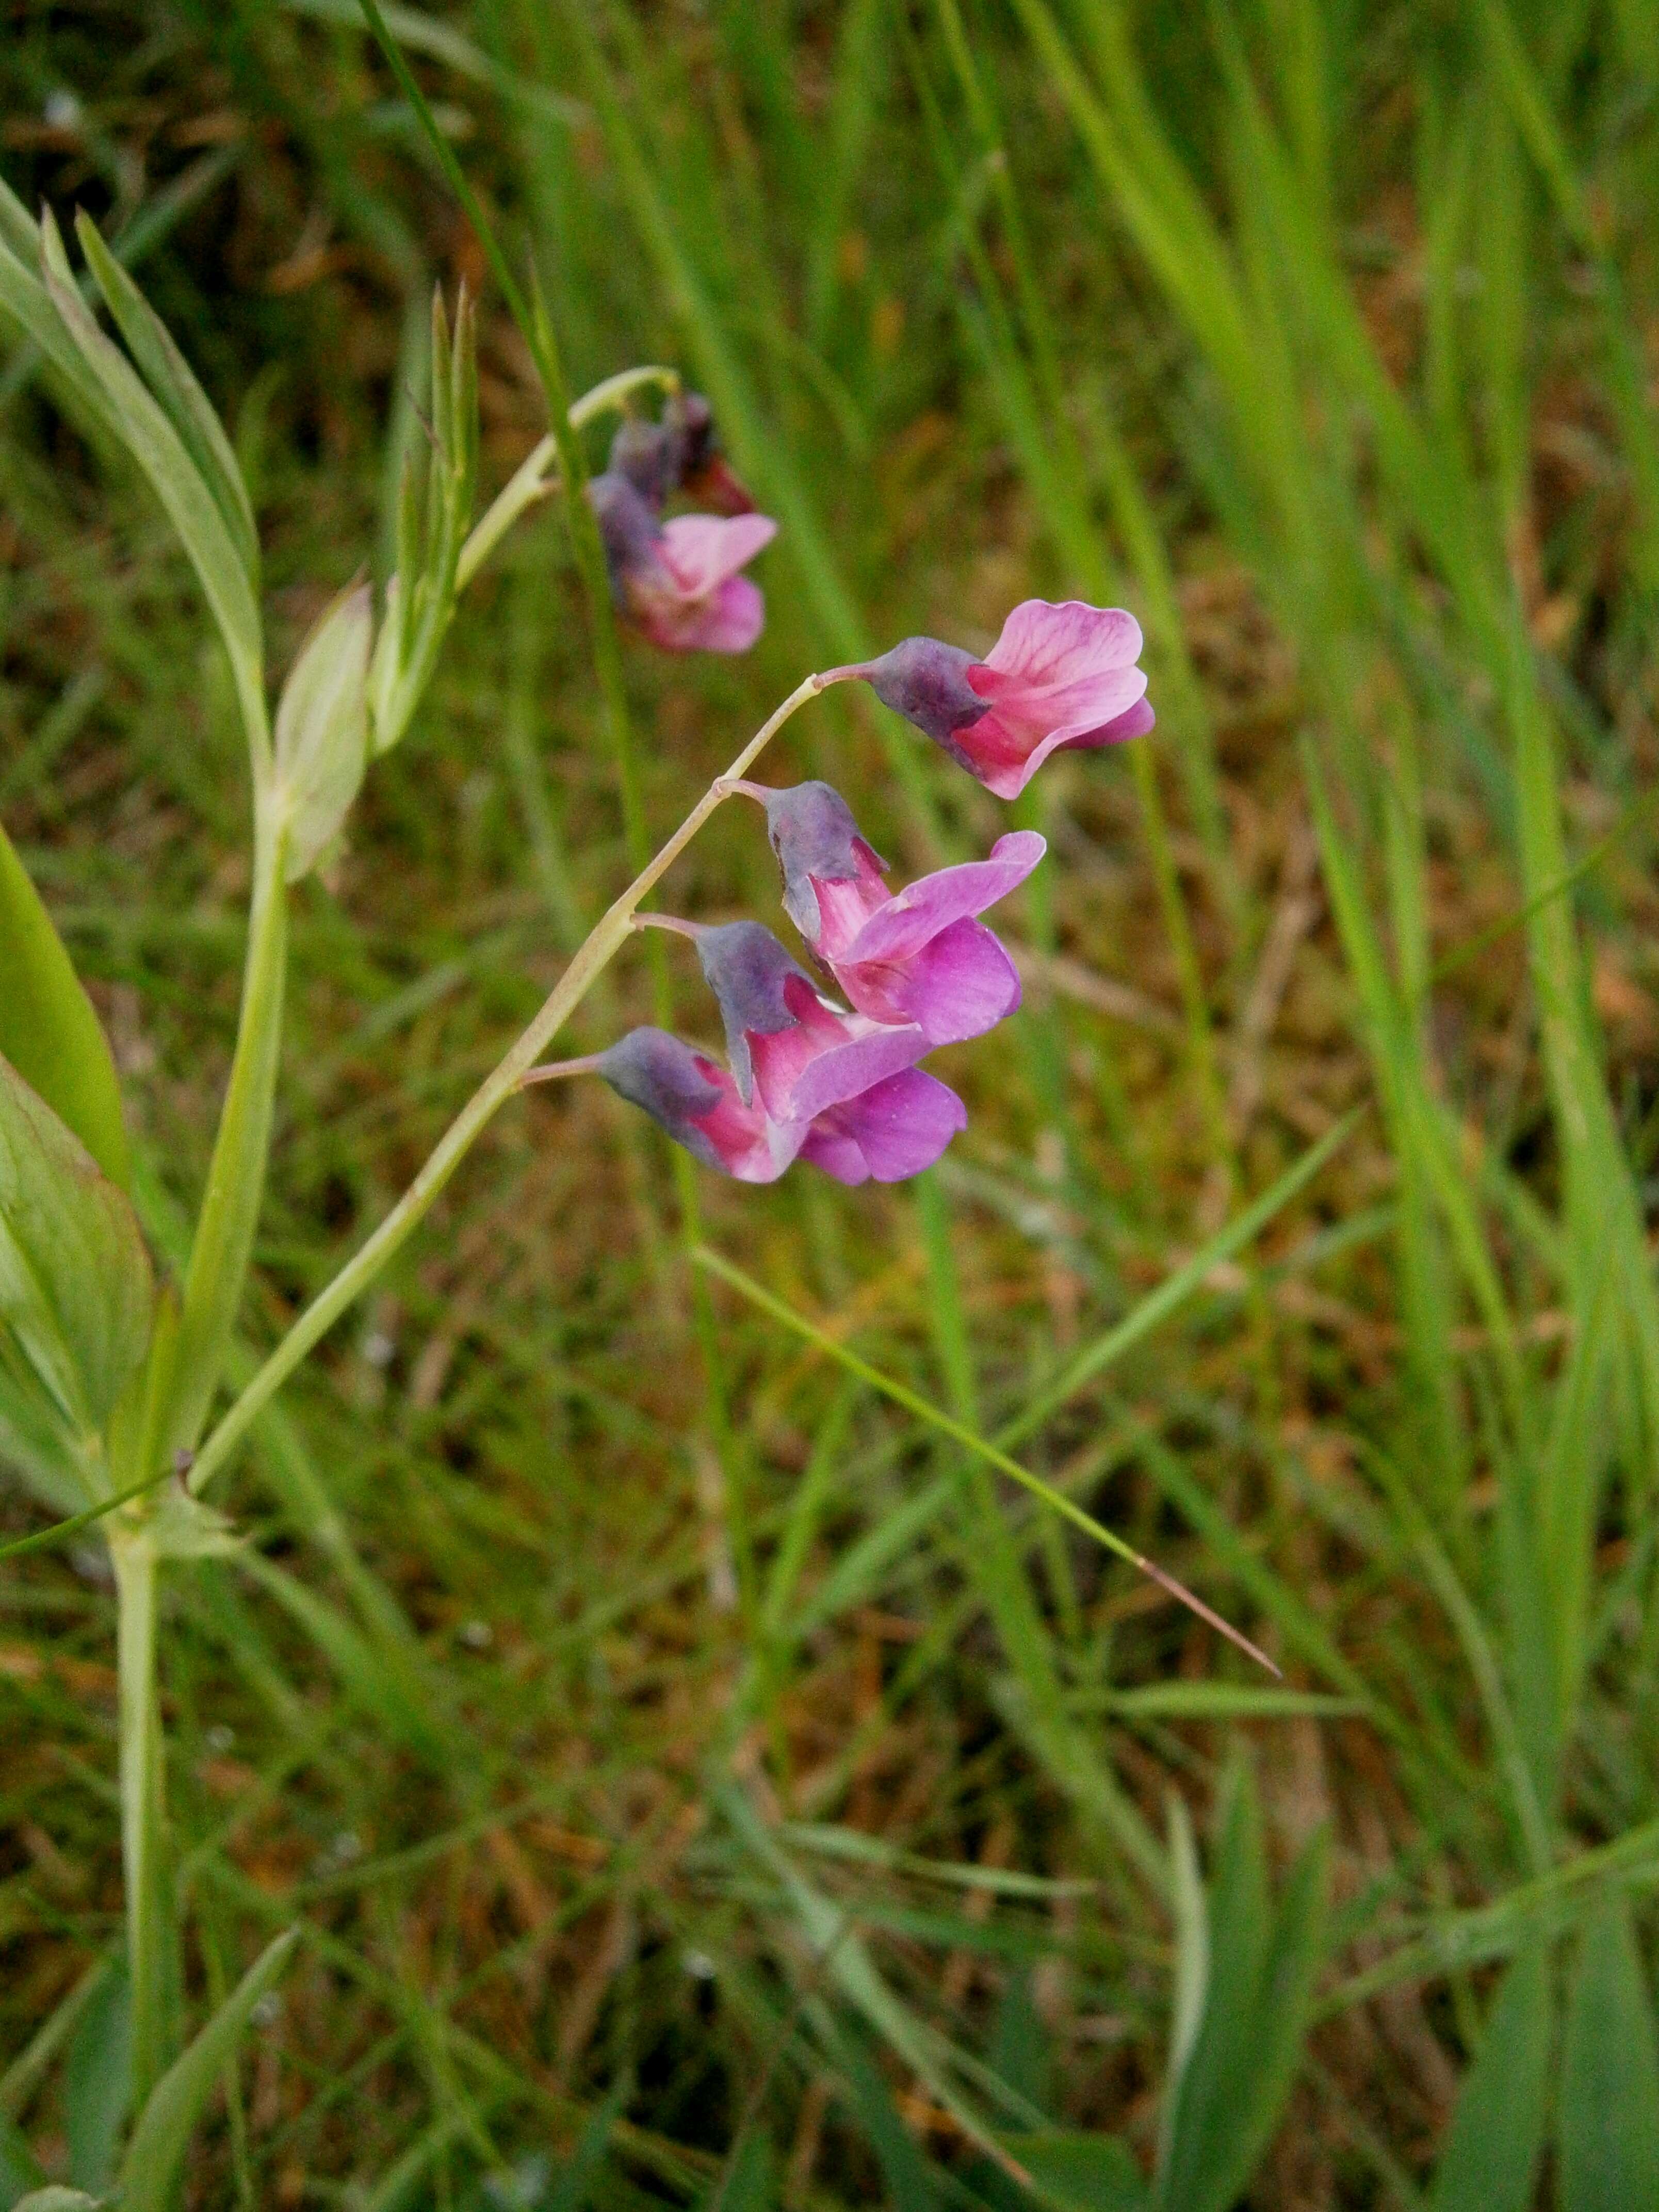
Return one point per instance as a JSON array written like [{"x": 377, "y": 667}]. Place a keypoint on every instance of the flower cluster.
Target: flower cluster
[
  {"x": 680, "y": 580},
  {"x": 807, "y": 1077}
]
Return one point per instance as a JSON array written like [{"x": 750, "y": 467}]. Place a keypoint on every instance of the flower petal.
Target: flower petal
[
  {"x": 898, "y": 1127},
  {"x": 826, "y": 1057},
  {"x": 1045, "y": 643},
  {"x": 931, "y": 903},
  {"x": 699, "y": 551},
  {"x": 960, "y": 984}
]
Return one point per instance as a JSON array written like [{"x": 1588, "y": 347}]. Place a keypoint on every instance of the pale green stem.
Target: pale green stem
[
  {"x": 611, "y": 932},
  {"x": 536, "y": 475},
  {"x": 134, "y": 1564},
  {"x": 223, "y": 1242}
]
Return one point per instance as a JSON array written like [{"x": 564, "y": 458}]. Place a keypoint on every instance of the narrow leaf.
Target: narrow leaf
[
  {"x": 1245, "y": 2055},
  {"x": 322, "y": 729},
  {"x": 155, "y": 444},
  {"x": 1072, "y": 2170},
  {"x": 1489, "y": 2159},
  {"x": 1608, "y": 2147},
  {"x": 48, "y": 1031},
  {"x": 155, "y": 2155},
  {"x": 97, "y": 2084},
  {"x": 180, "y": 398},
  {"x": 25, "y": 302},
  {"x": 74, "y": 1279}
]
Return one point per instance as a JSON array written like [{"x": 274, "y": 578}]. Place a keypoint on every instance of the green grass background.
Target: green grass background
[{"x": 580, "y": 1663}]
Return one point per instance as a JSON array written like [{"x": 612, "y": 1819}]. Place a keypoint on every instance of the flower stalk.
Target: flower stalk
[{"x": 601, "y": 947}]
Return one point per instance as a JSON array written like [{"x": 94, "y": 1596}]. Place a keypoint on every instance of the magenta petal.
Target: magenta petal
[
  {"x": 872, "y": 1052},
  {"x": 1133, "y": 722},
  {"x": 741, "y": 1139},
  {"x": 699, "y": 551},
  {"x": 1044, "y": 711},
  {"x": 959, "y": 985},
  {"x": 900, "y": 1127},
  {"x": 1045, "y": 643},
  {"x": 838, "y": 1154},
  {"x": 931, "y": 904},
  {"x": 728, "y": 621},
  {"x": 733, "y": 618}
]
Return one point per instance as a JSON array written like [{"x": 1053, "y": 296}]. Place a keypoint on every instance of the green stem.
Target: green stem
[
  {"x": 610, "y": 934},
  {"x": 134, "y": 1564},
  {"x": 223, "y": 1242}
]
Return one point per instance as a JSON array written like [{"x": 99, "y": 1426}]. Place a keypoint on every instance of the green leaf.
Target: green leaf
[
  {"x": 156, "y": 2154},
  {"x": 180, "y": 398},
  {"x": 748, "y": 2182},
  {"x": 581, "y": 2171},
  {"x": 322, "y": 729},
  {"x": 98, "y": 2084},
  {"x": 56, "y": 2198},
  {"x": 1244, "y": 2056},
  {"x": 153, "y": 443},
  {"x": 48, "y": 1031},
  {"x": 1076, "y": 2171},
  {"x": 1608, "y": 2124},
  {"x": 1192, "y": 1962},
  {"x": 1489, "y": 2159},
  {"x": 909, "y": 2186},
  {"x": 74, "y": 1279},
  {"x": 35, "y": 1440},
  {"x": 25, "y": 301}
]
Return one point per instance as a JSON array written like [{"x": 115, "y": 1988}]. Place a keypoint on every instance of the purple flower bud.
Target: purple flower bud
[
  {"x": 895, "y": 1128},
  {"x": 746, "y": 967},
  {"x": 679, "y": 453},
  {"x": 628, "y": 527}
]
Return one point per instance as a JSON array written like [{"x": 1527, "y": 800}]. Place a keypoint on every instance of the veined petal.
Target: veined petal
[
  {"x": 699, "y": 551},
  {"x": 896, "y": 1128},
  {"x": 920, "y": 911},
  {"x": 958, "y": 985},
  {"x": 1045, "y": 642}
]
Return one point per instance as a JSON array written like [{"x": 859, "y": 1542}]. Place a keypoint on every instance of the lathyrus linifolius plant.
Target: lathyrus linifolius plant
[{"x": 109, "y": 1377}]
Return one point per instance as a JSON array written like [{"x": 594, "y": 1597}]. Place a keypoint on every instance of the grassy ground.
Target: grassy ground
[{"x": 569, "y": 1680}]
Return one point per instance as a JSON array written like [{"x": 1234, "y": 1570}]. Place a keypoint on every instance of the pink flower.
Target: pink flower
[
  {"x": 895, "y": 1129},
  {"x": 920, "y": 955},
  {"x": 679, "y": 580},
  {"x": 1058, "y": 675},
  {"x": 789, "y": 1049}
]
